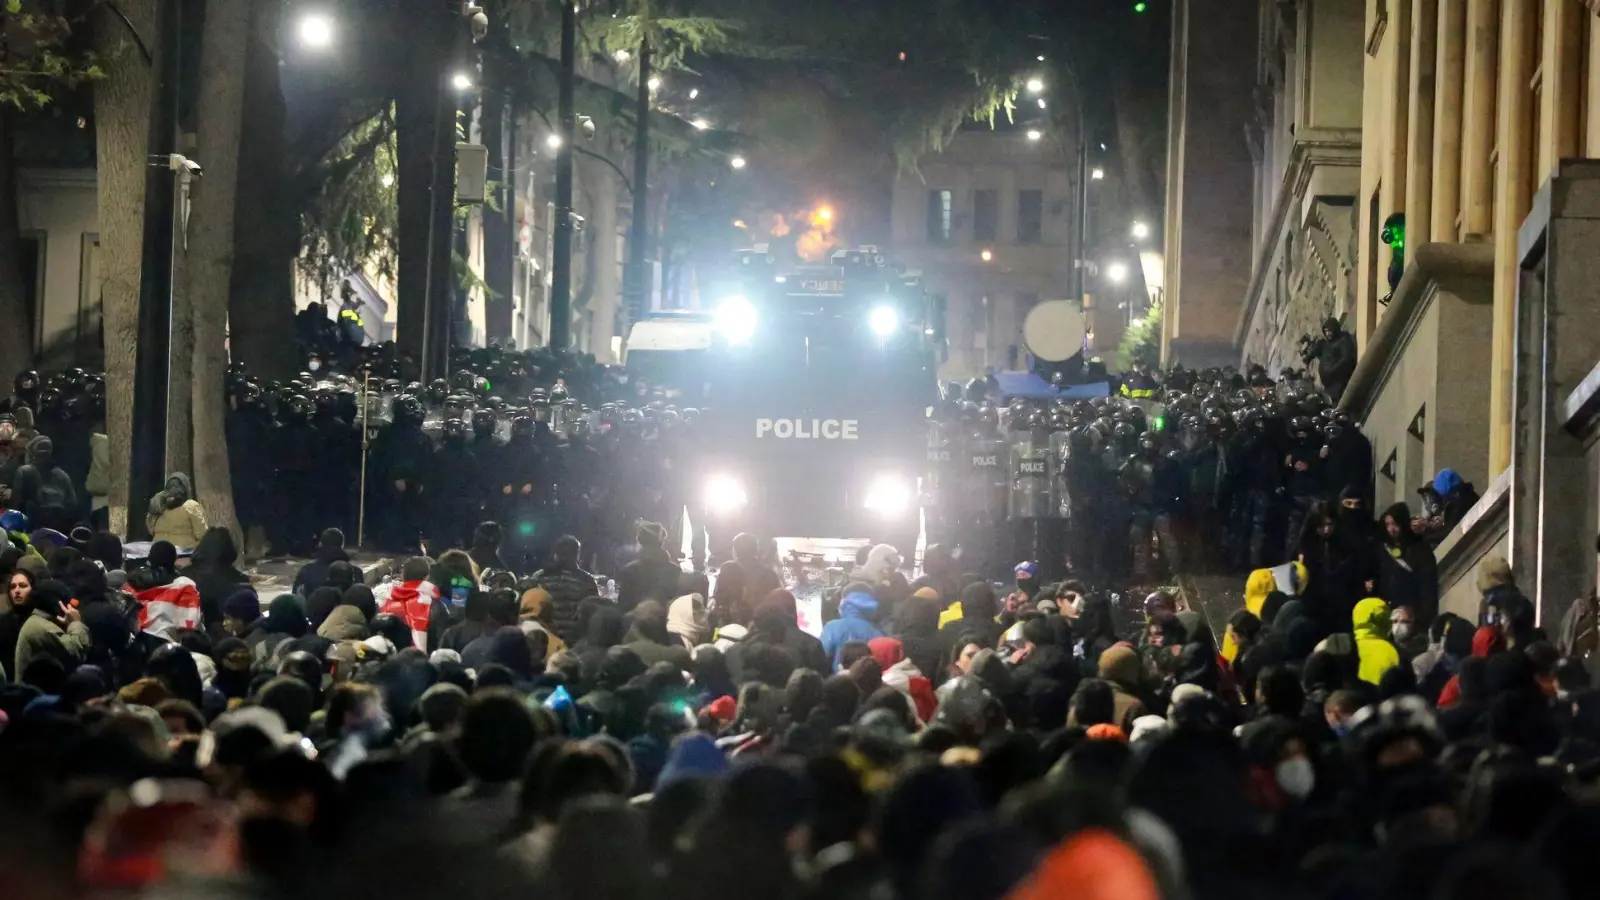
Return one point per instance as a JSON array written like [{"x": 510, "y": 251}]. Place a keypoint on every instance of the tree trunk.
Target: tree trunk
[
  {"x": 180, "y": 360},
  {"x": 420, "y": 129},
  {"x": 16, "y": 338},
  {"x": 121, "y": 118},
  {"x": 209, "y": 260},
  {"x": 261, "y": 286}
]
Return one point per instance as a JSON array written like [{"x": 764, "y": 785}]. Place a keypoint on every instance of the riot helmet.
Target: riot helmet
[
  {"x": 521, "y": 429},
  {"x": 407, "y": 410},
  {"x": 484, "y": 422},
  {"x": 438, "y": 390},
  {"x": 454, "y": 430}
]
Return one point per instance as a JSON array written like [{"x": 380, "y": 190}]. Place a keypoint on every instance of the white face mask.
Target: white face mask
[
  {"x": 1296, "y": 777},
  {"x": 1402, "y": 631}
]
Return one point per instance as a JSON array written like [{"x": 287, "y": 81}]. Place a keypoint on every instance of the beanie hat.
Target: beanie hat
[{"x": 242, "y": 605}]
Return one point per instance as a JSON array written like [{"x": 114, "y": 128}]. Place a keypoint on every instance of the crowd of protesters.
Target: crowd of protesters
[{"x": 453, "y": 726}]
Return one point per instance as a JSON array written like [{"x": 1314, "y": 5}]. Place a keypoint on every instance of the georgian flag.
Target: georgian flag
[{"x": 167, "y": 608}]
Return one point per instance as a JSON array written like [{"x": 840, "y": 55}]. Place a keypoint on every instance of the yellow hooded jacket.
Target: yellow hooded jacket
[
  {"x": 1260, "y": 584},
  {"x": 1371, "y": 626}
]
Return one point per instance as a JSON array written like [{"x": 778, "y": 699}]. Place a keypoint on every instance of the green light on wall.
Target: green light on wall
[{"x": 1141, "y": 6}]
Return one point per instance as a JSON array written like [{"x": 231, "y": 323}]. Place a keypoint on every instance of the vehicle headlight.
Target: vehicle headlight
[
  {"x": 884, "y": 320},
  {"x": 735, "y": 320},
  {"x": 724, "y": 494},
  {"x": 890, "y": 495}
]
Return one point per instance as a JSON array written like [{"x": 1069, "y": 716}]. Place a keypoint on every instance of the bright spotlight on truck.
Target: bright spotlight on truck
[
  {"x": 724, "y": 494},
  {"x": 884, "y": 320},
  {"x": 889, "y": 495},
  {"x": 735, "y": 320}
]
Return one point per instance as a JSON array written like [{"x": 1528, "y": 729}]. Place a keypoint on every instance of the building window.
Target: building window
[
  {"x": 985, "y": 216},
  {"x": 939, "y": 203},
  {"x": 1030, "y": 216}
]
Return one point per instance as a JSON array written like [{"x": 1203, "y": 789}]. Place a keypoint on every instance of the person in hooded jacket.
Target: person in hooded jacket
[
  {"x": 214, "y": 573},
  {"x": 175, "y": 515},
  {"x": 285, "y": 621},
  {"x": 1371, "y": 626},
  {"x": 314, "y": 574},
  {"x": 43, "y": 491},
  {"x": 1407, "y": 571},
  {"x": 775, "y": 626},
  {"x": 653, "y": 575},
  {"x": 649, "y": 638},
  {"x": 1336, "y": 358},
  {"x": 604, "y": 630},
  {"x": 858, "y": 612}
]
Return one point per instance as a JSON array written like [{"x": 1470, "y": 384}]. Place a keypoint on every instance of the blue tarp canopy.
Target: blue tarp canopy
[{"x": 1029, "y": 385}]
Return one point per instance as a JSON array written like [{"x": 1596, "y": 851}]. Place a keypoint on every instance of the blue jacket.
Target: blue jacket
[{"x": 854, "y": 624}]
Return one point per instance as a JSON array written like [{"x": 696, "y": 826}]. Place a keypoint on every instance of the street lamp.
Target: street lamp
[
  {"x": 738, "y": 162},
  {"x": 1034, "y": 134},
  {"x": 461, "y": 81},
  {"x": 316, "y": 31},
  {"x": 1098, "y": 173},
  {"x": 693, "y": 93},
  {"x": 553, "y": 141},
  {"x": 1041, "y": 103},
  {"x": 700, "y": 124},
  {"x": 1035, "y": 84},
  {"x": 1140, "y": 231},
  {"x": 825, "y": 213},
  {"x": 986, "y": 255},
  {"x": 654, "y": 83},
  {"x": 1117, "y": 272}
]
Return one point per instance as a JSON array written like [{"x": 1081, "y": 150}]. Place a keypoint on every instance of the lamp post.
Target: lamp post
[{"x": 561, "y": 263}]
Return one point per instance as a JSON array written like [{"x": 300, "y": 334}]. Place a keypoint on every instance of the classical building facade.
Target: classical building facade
[
  {"x": 1305, "y": 140},
  {"x": 1481, "y": 358},
  {"x": 988, "y": 222}
]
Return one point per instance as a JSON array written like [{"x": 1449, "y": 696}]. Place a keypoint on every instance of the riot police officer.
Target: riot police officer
[
  {"x": 398, "y": 470},
  {"x": 297, "y": 446},
  {"x": 456, "y": 501}
]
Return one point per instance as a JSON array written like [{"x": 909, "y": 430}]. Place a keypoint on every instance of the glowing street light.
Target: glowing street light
[
  {"x": 654, "y": 82},
  {"x": 1117, "y": 272},
  {"x": 738, "y": 162},
  {"x": 461, "y": 81},
  {"x": 700, "y": 124},
  {"x": 553, "y": 141},
  {"x": 1035, "y": 84},
  {"x": 1041, "y": 57},
  {"x": 316, "y": 31},
  {"x": 1140, "y": 231},
  {"x": 1034, "y": 134},
  {"x": 693, "y": 93},
  {"x": 1098, "y": 173},
  {"x": 986, "y": 255},
  {"x": 1041, "y": 103},
  {"x": 621, "y": 56},
  {"x": 825, "y": 213}
]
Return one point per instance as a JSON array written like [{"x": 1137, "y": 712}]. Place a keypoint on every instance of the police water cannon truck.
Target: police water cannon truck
[{"x": 815, "y": 382}]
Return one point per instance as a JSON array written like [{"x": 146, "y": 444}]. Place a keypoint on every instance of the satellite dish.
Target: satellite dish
[{"x": 1053, "y": 331}]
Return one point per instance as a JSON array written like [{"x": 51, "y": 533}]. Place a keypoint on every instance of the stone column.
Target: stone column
[
  {"x": 1449, "y": 75},
  {"x": 1514, "y": 120},
  {"x": 1422, "y": 85},
  {"x": 1561, "y": 96},
  {"x": 1478, "y": 100},
  {"x": 1395, "y": 126},
  {"x": 1558, "y": 302},
  {"x": 1591, "y": 142}
]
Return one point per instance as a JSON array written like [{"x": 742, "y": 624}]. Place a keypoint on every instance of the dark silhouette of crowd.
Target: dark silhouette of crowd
[{"x": 448, "y": 725}]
